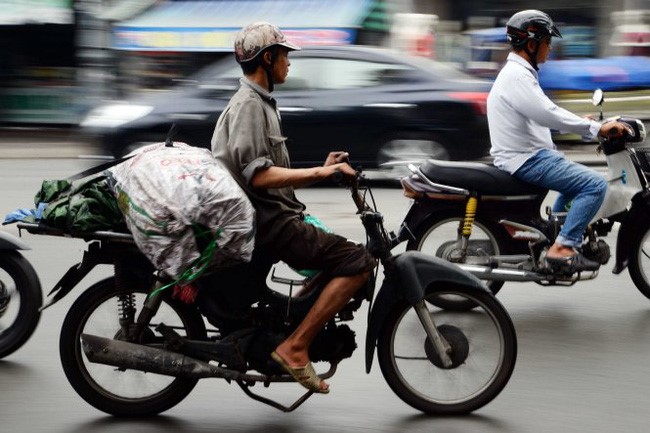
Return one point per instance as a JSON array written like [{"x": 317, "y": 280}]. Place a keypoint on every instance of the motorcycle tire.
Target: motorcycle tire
[
  {"x": 639, "y": 265},
  {"x": 437, "y": 235},
  {"x": 116, "y": 391},
  {"x": 20, "y": 299},
  {"x": 484, "y": 351}
]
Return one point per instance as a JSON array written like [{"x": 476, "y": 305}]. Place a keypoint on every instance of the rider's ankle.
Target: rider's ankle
[{"x": 559, "y": 250}]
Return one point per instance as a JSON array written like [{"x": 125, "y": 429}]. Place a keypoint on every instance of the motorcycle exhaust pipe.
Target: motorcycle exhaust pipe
[
  {"x": 499, "y": 274},
  {"x": 132, "y": 356}
]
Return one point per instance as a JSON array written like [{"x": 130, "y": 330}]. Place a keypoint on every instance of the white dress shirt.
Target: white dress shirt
[{"x": 520, "y": 116}]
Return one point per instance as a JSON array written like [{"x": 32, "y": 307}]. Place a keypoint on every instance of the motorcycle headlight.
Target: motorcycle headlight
[{"x": 113, "y": 115}]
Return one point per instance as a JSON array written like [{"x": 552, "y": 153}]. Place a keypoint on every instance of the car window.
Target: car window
[
  {"x": 331, "y": 74},
  {"x": 441, "y": 70},
  {"x": 218, "y": 73}
]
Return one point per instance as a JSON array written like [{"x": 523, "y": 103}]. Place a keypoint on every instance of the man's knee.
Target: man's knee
[
  {"x": 602, "y": 186},
  {"x": 598, "y": 185}
]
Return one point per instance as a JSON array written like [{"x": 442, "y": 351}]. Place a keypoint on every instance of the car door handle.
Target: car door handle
[
  {"x": 389, "y": 105},
  {"x": 187, "y": 116},
  {"x": 296, "y": 109}
]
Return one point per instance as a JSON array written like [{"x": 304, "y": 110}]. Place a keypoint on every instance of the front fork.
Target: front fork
[{"x": 441, "y": 345}]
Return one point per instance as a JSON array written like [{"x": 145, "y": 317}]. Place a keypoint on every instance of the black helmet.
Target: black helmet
[{"x": 530, "y": 24}]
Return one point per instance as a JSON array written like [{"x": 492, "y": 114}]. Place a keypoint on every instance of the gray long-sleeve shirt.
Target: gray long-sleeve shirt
[{"x": 520, "y": 115}]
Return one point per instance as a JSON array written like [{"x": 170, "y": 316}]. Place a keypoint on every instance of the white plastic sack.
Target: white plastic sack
[{"x": 166, "y": 193}]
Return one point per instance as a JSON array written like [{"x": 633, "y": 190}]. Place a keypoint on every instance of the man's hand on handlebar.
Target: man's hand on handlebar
[
  {"x": 344, "y": 174},
  {"x": 336, "y": 158},
  {"x": 615, "y": 129}
]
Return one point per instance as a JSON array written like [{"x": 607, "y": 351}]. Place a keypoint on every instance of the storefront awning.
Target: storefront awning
[
  {"x": 212, "y": 25},
  {"x": 18, "y": 12}
]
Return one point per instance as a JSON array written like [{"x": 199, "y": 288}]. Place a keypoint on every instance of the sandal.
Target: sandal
[{"x": 305, "y": 375}]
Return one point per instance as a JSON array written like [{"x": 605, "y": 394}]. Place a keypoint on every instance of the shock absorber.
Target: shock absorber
[
  {"x": 125, "y": 300},
  {"x": 470, "y": 216}
]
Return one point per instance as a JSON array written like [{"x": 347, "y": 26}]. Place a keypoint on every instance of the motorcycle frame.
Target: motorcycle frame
[{"x": 409, "y": 277}]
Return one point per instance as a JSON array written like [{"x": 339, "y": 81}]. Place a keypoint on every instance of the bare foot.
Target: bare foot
[{"x": 559, "y": 251}]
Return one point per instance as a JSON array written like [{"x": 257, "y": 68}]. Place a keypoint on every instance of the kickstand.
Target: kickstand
[{"x": 272, "y": 403}]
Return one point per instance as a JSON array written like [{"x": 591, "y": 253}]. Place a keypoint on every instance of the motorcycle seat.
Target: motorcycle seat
[{"x": 484, "y": 179}]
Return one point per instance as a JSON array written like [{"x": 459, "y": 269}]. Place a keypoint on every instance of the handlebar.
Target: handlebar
[
  {"x": 358, "y": 200},
  {"x": 379, "y": 242}
]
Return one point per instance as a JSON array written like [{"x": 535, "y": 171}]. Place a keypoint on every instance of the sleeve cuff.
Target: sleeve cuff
[
  {"x": 594, "y": 129},
  {"x": 254, "y": 166}
]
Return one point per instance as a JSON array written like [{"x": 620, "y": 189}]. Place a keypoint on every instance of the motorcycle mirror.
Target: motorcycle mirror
[
  {"x": 597, "y": 100},
  {"x": 598, "y": 97}
]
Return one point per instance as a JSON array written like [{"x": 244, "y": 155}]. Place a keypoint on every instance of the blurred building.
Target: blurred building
[
  {"x": 59, "y": 57},
  {"x": 37, "y": 61},
  {"x": 171, "y": 39}
]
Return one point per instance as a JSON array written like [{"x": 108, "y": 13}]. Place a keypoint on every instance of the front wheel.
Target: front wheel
[
  {"x": 20, "y": 299},
  {"x": 639, "y": 266},
  {"x": 114, "y": 390},
  {"x": 484, "y": 351}
]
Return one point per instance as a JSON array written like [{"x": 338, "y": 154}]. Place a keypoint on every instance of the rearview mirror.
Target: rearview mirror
[{"x": 598, "y": 97}]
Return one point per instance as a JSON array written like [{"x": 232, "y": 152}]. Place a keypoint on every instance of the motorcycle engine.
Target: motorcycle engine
[
  {"x": 597, "y": 251},
  {"x": 334, "y": 343}
]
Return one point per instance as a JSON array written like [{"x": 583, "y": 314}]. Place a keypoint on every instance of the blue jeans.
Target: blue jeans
[{"x": 573, "y": 181}]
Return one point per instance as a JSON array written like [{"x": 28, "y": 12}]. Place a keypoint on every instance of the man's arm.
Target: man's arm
[{"x": 280, "y": 177}]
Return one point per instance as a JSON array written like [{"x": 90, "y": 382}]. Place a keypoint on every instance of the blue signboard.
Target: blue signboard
[{"x": 213, "y": 25}]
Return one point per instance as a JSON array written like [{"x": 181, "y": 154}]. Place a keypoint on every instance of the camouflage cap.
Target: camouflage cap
[{"x": 256, "y": 37}]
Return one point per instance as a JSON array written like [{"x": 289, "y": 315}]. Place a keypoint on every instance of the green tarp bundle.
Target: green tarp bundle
[{"x": 83, "y": 205}]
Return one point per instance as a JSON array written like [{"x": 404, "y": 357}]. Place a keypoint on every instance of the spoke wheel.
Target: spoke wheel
[
  {"x": 110, "y": 389},
  {"x": 439, "y": 237},
  {"x": 484, "y": 352}
]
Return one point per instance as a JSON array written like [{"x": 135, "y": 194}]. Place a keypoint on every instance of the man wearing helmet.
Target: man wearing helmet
[
  {"x": 520, "y": 117},
  {"x": 248, "y": 139}
]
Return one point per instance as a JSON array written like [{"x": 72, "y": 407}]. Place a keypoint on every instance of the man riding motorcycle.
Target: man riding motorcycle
[
  {"x": 248, "y": 139},
  {"x": 520, "y": 117}
]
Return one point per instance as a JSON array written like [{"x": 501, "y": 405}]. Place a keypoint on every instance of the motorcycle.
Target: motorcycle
[
  {"x": 20, "y": 295},
  {"x": 130, "y": 347},
  {"x": 491, "y": 225}
]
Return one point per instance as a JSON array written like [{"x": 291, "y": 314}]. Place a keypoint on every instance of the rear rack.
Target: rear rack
[{"x": 104, "y": 235}]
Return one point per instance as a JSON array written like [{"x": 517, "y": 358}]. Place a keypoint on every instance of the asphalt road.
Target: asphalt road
[{"x": 582, "y": 366}]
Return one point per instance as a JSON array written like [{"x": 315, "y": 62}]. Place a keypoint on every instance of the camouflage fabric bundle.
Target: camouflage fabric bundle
[{"x": 83, "y": 205}]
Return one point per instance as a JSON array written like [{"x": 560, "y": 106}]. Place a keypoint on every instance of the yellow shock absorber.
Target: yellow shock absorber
[{"x": 470, "y": 215}]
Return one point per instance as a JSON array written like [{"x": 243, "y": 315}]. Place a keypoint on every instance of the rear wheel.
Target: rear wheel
[
  {"x": 113, "y": 390},
  {"x": 484, "y": 352},
  {"x": 439, "y": 236}
]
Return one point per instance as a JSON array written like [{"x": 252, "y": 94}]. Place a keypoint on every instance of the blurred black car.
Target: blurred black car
[{"x": 381, "y": 106}]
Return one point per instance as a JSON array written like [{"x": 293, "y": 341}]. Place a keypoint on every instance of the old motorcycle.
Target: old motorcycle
[
  {"x": 131, "y": 349},
  {"x": 493, "y": 226},
  {"x": 20, "y": 295}
]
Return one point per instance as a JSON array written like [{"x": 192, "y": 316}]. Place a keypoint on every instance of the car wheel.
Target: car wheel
[{"x": 395, "y": 154}]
